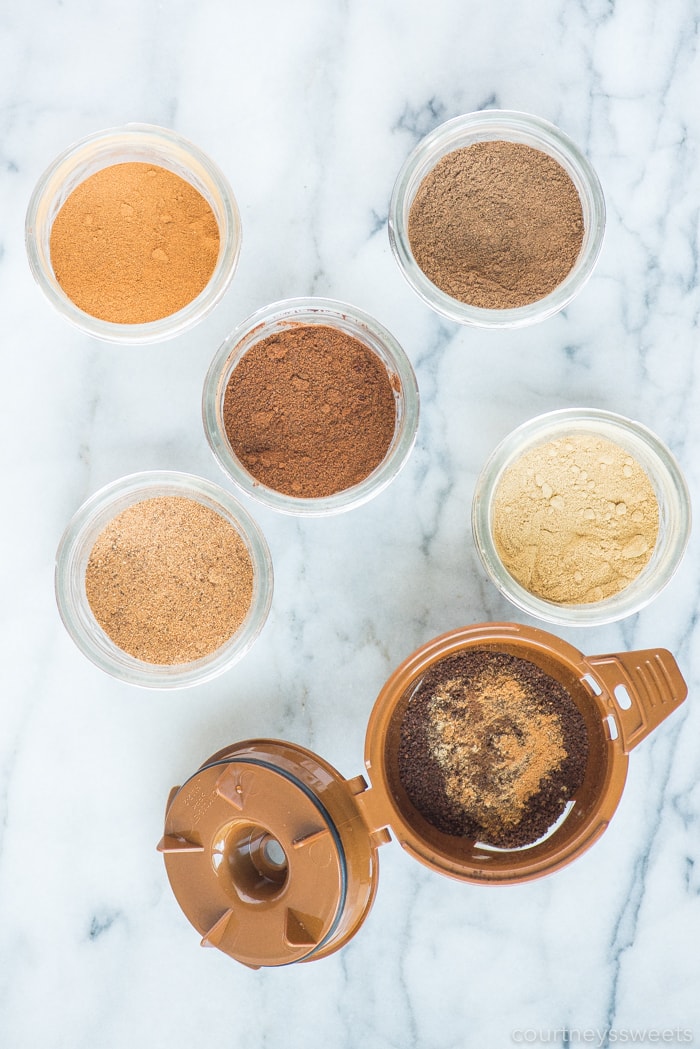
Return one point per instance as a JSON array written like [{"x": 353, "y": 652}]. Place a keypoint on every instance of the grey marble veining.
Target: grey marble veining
[{"x": 310, "y": 109}]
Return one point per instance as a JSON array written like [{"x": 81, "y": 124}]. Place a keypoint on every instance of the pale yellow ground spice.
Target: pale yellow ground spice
[
  {"x": 576, "y": 519},
  {"x": 134, "y": 243},
  {"x": 169, "y": 580}
]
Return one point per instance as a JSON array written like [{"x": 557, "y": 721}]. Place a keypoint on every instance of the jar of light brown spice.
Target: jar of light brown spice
[{"x": 163, "y": 579}]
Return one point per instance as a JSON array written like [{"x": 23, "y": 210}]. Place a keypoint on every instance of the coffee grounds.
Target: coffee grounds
[
  {"x": 491, "y": 748},
  {"x": 496, "y": 224},
  {"x": 169, "y": 580},
  {"x": 134, "y": 243},
  {"x": 309, "y": 411}
]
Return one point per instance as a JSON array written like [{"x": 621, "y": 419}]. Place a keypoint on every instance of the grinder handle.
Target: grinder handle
[{"x": 644, "y": 688}]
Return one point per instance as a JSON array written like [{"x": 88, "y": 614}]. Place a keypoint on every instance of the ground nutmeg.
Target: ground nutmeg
[
  {"x": 134, "y": 243},
  {"x": 169, "y": 580},
  {"x": 309, "y": 410},
  {"x": 491, "y": 748}
]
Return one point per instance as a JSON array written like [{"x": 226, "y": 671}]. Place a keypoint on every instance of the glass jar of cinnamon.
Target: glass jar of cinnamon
[{"x": 133, "y": 234}]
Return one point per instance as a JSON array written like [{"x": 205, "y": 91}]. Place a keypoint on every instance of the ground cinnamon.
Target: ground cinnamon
[
  {"x": 309, "y": 411},
  {"x": 134, "y": 243},
  {"x": 491, "y": 748},
  {"x": 496, "y": 224},
  {"x": 169, "y": 580}
]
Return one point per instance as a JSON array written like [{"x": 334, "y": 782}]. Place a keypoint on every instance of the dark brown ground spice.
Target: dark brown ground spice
[
  {"x": 491, "y": 748},
  {"x": 496, "y": 224},
  {"x": 309, "y": 411}
]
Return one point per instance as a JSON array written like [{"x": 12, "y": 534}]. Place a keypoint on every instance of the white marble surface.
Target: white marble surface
[{"x": 310, "y": 108}]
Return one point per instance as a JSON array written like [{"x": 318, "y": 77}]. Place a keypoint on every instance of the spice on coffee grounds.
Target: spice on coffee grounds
[
  {"x": 134, "y": 243},
  {"x": 491, "y": 748},
  {"x": 575, "y": 519},
  {"x": 309, "y": 411},
  {"x": 169, "y": 580},
  {"x": 496, "y": 224}
]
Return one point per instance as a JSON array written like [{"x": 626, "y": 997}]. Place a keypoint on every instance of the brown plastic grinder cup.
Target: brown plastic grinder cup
[{"x": 272, "y": 854}]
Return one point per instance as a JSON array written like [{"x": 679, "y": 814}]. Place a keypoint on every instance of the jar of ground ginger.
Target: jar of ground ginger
[
  {"x": 133, "y": 234},
  {"x": 496, "y": 219},
  {"x": 581, "y": 516},
  {"x": 163, "y": 579}
]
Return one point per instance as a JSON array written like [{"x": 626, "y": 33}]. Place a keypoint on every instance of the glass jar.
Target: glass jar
[
  {"x": 497, "y": 125},
  {"x": 291, "y": 313},
  {"x": 132, "y": 143},
  {"x": 74, "y": 553},
  {"x": 669, "y": 488}
]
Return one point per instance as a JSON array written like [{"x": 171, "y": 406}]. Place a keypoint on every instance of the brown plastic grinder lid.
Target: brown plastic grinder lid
[{"x": 255, "y": 862}]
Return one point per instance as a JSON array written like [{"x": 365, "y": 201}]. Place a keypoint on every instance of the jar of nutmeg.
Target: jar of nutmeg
[{"x": 163, "y": 579}]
